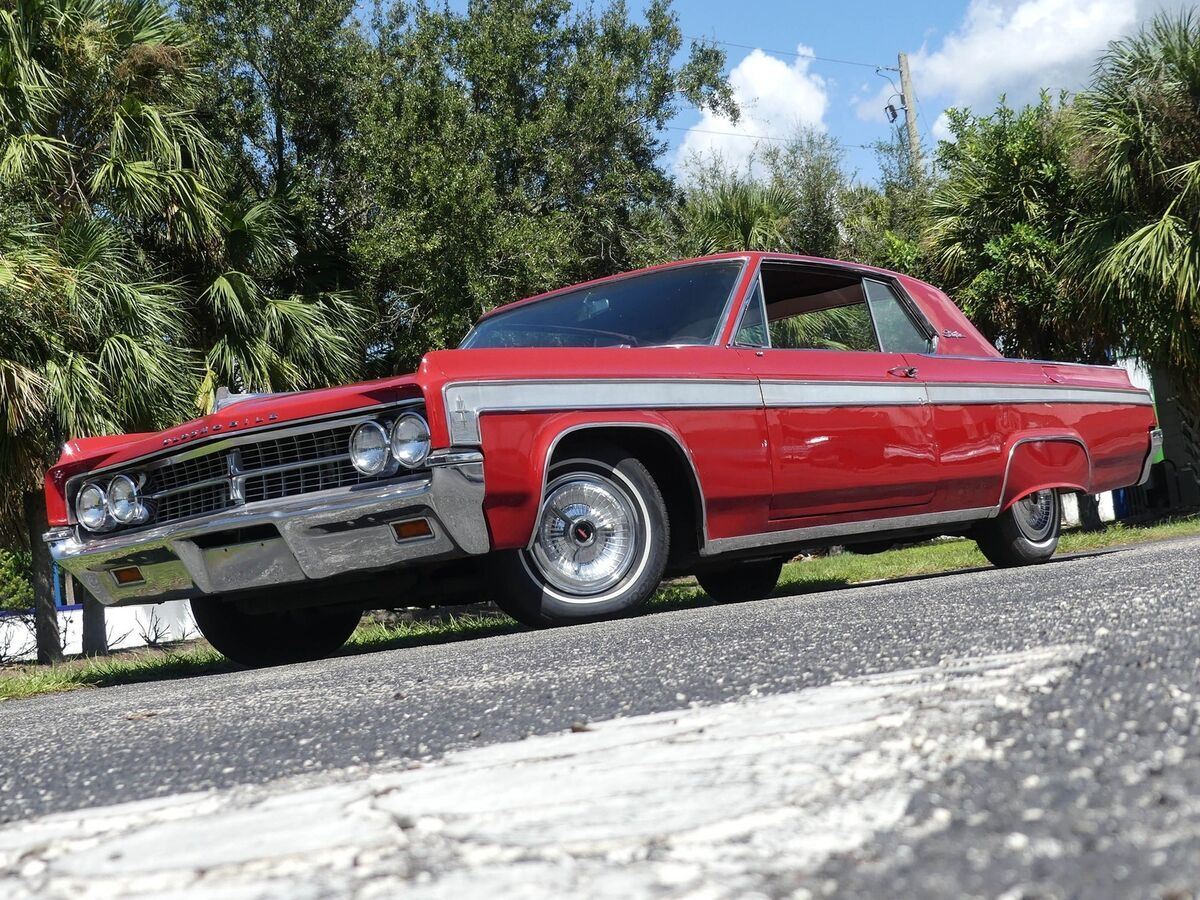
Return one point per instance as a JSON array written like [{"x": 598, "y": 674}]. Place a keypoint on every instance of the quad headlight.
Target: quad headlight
[
  {"x": 369, "y": 449},
  {"x": 410, "y": 440},
  {"x": 379, "y": 450},
  {"x": 91, "y": 507},
  {"x": 102, "y": 507},
  {"x": 125, "y": 501}
]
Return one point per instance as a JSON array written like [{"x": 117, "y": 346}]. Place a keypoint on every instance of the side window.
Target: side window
[
  {"x": 816, "y": 309},
  {"x": 752, "y": 331},
  {"x": 898, "y": 333}
]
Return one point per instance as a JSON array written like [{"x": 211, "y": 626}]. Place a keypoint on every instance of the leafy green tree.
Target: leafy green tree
[
  {"x": 882, "y": 223},
  {"x": 809, "y": 167},
  {"x": 1137, "y": 242},
  {"x": 997, "y": 223},
  {"x": 130, "y": 286},
  {"x": 508, "y": 149},
  {"x": 737, "y": 213},
  {"x": 15, "y": 590}
]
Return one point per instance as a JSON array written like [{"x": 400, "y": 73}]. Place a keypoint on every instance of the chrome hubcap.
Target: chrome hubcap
[
  {"x": 587, "y": 534},
  {"x": 1035, "y": 515}
]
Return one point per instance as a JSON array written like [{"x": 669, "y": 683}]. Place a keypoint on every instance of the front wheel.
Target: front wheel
[
  {"x": 273, "y": 638},
  {"x": 599, "y": 545},
  {"x": 1025, "y": 533},
  {"x": 742, "y": 581}
]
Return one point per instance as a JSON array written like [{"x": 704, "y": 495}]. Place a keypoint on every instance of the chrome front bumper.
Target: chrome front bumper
[{"x": 276, "y": 542}]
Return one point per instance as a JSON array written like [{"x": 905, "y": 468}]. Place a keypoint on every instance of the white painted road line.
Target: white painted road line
[{"x": 703, "y": 802}]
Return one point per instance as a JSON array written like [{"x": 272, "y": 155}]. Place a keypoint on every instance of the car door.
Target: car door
[{"x": 849, "y": 425}]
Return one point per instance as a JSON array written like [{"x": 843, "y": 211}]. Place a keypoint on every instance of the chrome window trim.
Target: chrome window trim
[
  {"x": 909, "y": 308},
  {"x": 744, "y": 308},
  {"x": 864, "y": 274},
  {"x": 722, "y": 318}
]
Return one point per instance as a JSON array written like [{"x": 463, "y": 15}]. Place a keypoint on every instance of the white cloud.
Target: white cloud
[
  {"x": 775, "y": 97},
  {"x": 1015, "y": 47}
]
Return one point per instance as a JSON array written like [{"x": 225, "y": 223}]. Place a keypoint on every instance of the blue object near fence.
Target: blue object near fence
[{"x": 1121, "y": 503}]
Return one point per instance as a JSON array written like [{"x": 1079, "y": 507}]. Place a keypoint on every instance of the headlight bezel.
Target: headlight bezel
[
  {"x": 424, "y": 441},
  {"x": 387, "y": 464},
  {"x": 137, "y": 512},
  {"x": 105, "y": 522}
]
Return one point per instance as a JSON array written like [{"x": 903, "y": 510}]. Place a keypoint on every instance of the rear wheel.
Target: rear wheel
[
  {"x": 273, "y": 638},
  {"x": 1025, "y": 533},
  {"x": 599, "y": 546},
  {"x": 742, "y": 581}
]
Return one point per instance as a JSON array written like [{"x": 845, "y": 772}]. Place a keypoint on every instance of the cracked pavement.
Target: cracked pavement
[{"x": 992, "y": 733}]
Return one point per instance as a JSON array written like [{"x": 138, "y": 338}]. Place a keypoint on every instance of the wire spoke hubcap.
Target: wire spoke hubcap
[
  {"x": 1035, "y": 515},
  {"x": 587, "y": 534}
]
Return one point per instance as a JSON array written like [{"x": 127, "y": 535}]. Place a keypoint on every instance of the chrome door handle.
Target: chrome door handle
[{"x": 903, "y": 371}]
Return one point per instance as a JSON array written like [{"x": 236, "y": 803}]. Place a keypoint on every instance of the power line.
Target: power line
[
  {"x": 763, "y": 137},
  {"x": 829, "y": 59}
]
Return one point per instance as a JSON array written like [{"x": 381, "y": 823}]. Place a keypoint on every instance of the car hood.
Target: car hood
[{"x": 238, "y": 417}]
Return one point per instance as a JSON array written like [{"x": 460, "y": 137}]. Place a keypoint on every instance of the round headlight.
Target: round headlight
[
  {"x": 410, "y": 440},
  {"x": 91, "y": 507},
  {"x": 369, "y": 448},
  {"x": 124, "y": 501}
]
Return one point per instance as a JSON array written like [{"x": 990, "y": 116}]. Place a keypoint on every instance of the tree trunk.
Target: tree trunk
[
  {"x": 45, "y": 614},
  {"x": 1089, "y": 512},
  {"x": 95, "y": 630}
]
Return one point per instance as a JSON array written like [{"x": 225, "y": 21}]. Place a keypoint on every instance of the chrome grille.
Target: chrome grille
[
  {"x": 185, "y": 504},
  {"x": 178, "y": 475},
  {"x": 306, "y": 480},
  {"x": 296, "y": 448},
  {"x": 250, "y": 471}
]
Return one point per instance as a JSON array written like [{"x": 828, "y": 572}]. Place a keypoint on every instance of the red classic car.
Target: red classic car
[{"x": 712, "y": 417}]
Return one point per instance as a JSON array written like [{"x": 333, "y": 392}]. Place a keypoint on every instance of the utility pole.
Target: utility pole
[{"x": 910, "y": 115}]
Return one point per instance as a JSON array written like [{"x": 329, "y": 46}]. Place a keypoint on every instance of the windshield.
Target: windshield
[{"x": 680, "y": 305}]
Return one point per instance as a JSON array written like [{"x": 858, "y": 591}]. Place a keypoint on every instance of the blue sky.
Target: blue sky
[{"x": 962, "y": 52}]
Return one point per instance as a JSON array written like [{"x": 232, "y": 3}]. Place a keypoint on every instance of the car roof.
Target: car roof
[{"x": 751, "y": 256}]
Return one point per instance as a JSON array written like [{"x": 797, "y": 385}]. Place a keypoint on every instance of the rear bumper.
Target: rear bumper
[
  {"x": 304, "y": 538},
  {"x": 1156, "y": 442}
]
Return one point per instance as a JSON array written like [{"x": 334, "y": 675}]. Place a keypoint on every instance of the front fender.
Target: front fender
[{"x": 518, "y": 447}]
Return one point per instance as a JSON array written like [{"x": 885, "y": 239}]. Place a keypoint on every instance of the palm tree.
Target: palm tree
[
  {"x": 1137, "y": 243},
  {"x": 735, "y": 213},
  {"x": 131, "y": 287}
]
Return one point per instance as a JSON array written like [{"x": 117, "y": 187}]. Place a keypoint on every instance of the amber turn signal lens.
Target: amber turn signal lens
[
  {"x": 128, "y": 575},
  {"x": 414, "y": 528}
]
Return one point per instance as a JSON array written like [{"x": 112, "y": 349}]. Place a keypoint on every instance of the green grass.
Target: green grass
[{"x": 803, "y": 576}]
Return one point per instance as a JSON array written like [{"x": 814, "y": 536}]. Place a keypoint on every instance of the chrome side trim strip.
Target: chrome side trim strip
[
  {"x": 465, "y": 401},
  {"x": 970, "y": 393},
  {"x": 842, "y": 393},
  {"x": 821, "y": 532},
  {"x": 1156, "y": 442}
]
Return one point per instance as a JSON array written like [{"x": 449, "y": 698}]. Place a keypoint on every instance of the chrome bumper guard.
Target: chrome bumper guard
[
  {"x": 307, "y": 537},
  {"x": 1156, "y": 442}
]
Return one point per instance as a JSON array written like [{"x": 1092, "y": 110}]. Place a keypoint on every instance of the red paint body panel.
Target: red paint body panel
[
  {"x": 838, "y": 459},
  {"x": 759, "y": 467}
]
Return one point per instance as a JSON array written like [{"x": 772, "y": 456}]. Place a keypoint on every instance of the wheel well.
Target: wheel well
[{"x": 671, "y": 470}]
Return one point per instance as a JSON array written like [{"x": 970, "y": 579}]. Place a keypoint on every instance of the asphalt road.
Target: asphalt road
[{"x": 1090, "y": 787}]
